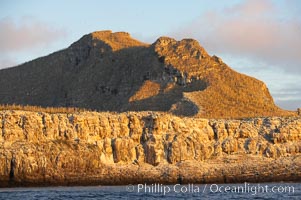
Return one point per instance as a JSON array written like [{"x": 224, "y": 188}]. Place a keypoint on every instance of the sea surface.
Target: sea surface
[{"x": 158, "y": 191}]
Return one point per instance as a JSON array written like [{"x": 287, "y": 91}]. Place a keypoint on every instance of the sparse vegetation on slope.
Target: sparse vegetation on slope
[
  {"x": 107, "y": 71},
  {"x": 51, "y": 110}
]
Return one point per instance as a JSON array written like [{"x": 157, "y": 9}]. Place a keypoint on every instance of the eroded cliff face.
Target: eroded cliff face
[{"x": 104, "y": 148}]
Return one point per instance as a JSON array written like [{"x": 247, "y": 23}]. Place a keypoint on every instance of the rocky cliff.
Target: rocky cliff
[
  {"x": 39, "y": 148},
  {"x": 108, "y": 71}
]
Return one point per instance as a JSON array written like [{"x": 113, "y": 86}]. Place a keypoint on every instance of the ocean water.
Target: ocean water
[{"x": 158, "y": 191}]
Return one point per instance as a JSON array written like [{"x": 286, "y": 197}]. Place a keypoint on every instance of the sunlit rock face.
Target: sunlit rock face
[{"x": 39, "y": 148}]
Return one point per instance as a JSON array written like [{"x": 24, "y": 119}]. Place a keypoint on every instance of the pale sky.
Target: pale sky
[{"x": 261, "y": 38}]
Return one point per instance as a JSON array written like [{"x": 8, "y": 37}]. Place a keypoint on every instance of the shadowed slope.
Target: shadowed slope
[{"x": 113, "y": 72}]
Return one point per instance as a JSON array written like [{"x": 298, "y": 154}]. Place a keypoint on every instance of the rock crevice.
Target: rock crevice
[{"x": 142, "y": 147}]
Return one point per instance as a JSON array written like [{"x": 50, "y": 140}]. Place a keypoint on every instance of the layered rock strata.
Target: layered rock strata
[{"x": 105, "y": 148}]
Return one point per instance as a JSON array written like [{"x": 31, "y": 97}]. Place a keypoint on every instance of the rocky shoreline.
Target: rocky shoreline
[{"x": 90, "y": 148}]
